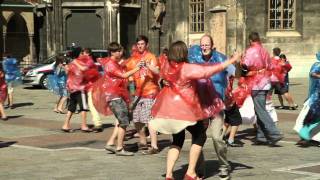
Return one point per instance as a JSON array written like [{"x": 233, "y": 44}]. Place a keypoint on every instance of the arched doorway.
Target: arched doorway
[{"x": 17, "y": 40}]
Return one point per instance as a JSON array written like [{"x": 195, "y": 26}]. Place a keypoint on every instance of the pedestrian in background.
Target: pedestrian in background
[
  {"x": 57, "y": 84},
  {"x": 12, "y": 76},
  {"x": 3, "y": 94}
]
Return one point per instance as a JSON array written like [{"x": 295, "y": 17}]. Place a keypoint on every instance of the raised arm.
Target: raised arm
[{"x": 196, "y": 71}]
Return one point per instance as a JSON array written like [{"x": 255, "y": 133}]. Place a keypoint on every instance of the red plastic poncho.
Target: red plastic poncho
[
  {"x": 241, "y": 92},
  {"x": 186, "y": 100},
  {"x": 110, "y": 86},
  {"x": 82, "y": 79},
  {"x": 277, "y": 73},
  {"x": 3, "y": 88}
]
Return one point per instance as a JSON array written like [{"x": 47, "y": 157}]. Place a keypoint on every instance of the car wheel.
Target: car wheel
[{"x": 44, "y": 82}]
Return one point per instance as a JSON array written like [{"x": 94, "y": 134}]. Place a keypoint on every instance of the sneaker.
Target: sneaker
[
  {"x": 123, "y": 152},
  {"x": 151, "y": 151},
  {"x": 224, "y": 174},
  {"x": 233, "y": 144},
  {"x": 110, "y": 148},
  {"x": 97, "y": 129},
  {"x": 273, "y": 142}
]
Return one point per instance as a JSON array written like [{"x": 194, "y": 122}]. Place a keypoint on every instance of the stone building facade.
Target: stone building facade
[{"x": 52, "y": 25}]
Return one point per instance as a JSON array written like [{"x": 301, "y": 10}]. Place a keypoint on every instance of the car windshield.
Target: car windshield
[{"x": 98, "y": 54}]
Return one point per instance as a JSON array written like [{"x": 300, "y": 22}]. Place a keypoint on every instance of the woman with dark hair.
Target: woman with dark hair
[
  {"x": 57, "y": 83},
  {"x": 179, "y": 105}
]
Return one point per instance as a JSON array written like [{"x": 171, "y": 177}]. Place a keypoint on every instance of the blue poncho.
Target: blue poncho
[
  {"x": 12, "y": 71},
  {"x": 57, "y": 82},
  {"x": 219, "y": 80}
]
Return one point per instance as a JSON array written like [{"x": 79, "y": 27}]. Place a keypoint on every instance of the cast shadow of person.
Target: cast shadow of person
[
  {"x": 17, "y": 105},
  {"x": 6, "y": 144},
  {"x": 211, "y": 169}
]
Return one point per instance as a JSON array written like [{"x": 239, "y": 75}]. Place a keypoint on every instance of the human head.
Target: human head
[
  {"x": 282, "y": 56},
  {"x": 178, "y": 52},
  {"x": 254, "y": 37},
  {"x": 59, "y": 60},
  {"x": 276, "y": 51},
  {"x": 142, "y": 43},
  {"x": 206, "y": 44},
  {"x": 165, "y": 51},
  {"x": 86, "y": 51},
  {"x": 115, "y": 50},
  {"x": 318, "y": 55}
]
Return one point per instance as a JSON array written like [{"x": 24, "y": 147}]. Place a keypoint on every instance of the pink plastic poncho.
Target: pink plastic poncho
[
  {"x": 186, "y": 100},
  {"x": 257, "y": 59}
]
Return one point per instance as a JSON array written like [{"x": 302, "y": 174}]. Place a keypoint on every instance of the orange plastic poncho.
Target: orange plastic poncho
[{"x": 146, "y": 82}]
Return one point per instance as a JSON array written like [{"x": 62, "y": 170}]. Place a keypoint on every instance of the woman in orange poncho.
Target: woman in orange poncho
[{"x": 179, "y": 106}]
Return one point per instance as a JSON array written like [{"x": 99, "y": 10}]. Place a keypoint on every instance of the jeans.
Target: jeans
[{"x": 267, "y": 130}]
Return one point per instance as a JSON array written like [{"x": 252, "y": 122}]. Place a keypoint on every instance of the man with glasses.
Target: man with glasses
[{"x": 206, "y": 53}]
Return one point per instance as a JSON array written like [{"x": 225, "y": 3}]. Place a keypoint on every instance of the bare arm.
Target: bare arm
[
  {"x": 129, "y": 73},
  {"x": 315, "y": 75},
  {"x": 152, "y": 68},
  {"x": 196, "y": 71}
]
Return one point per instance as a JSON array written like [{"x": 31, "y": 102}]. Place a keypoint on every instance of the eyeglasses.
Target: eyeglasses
[{"x": 205, "y": 45}]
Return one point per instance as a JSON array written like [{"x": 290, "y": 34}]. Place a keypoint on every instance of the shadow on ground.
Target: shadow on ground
[
  {"x": 33, "y": 87},
  {"x": 17, "y": 105},
  {"x": 211, "y": 169},
  {"x": 6, "y": 144}
]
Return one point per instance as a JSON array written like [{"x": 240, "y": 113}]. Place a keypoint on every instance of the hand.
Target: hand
[
  {"x": 141, "y": 63},
  {"x": 237, "y": 56}
]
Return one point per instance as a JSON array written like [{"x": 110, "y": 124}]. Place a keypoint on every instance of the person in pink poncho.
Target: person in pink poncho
[
  {"x": 257, "y": 62},
  {"x": 179, "y": 105}
]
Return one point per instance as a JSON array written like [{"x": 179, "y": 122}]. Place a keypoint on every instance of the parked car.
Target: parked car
[{"x": 38, "y": 75}]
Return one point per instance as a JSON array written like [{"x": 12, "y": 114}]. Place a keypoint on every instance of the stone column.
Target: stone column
[
  {"x": 101, "y": 14},
  {"x": 4, "y": 35},
  {"x": 66, "y": 13},
  {"x": 218, "y": 26},
  {"x": 115, "y": 20},
  {"x": 31, "y": 49}
]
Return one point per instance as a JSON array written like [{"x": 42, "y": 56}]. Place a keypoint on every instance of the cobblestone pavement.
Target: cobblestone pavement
[{"x": 33, "y": 147}]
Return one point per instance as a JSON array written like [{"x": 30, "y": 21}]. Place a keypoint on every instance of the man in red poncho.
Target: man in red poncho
[{"x": 81, "y": 72}]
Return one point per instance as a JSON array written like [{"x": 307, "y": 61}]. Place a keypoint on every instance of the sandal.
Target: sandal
[
  {"x": 67, "y": 130},
  {"x": 4, "y": 118},
  {"x": 86, "y": 130},
  {"x": 187, "y": 177},
  {"x": 167, "y": 178}
]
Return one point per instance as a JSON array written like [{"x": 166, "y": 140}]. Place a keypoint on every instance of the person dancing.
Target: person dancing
[{"x": 179, "y": 105}]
